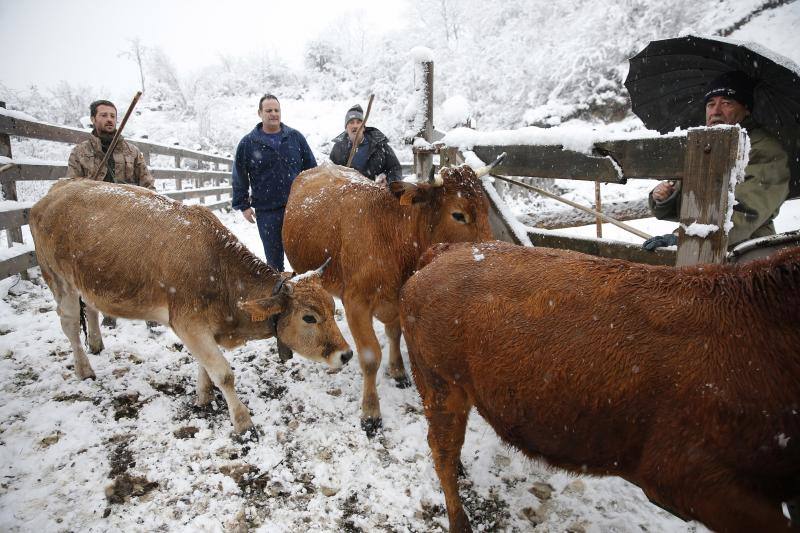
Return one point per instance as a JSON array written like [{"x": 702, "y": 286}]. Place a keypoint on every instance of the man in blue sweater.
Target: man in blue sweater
[{"x": 267, "y": 161}]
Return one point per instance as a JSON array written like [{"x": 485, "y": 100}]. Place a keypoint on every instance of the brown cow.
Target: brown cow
[
  {"x": 132, "y": 253},
  {"x": 684, "y": 381},
  {"x": 375, "y": 236}
]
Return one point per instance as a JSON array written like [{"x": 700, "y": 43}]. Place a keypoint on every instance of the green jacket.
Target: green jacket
[{"x": 759, "y": 196}]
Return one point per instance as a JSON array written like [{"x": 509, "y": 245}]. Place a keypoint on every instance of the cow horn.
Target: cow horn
[
  {"x": 482, "y": 171},
  {"x": 436, "y": 179},
  {"x": 324, "y": 265}
]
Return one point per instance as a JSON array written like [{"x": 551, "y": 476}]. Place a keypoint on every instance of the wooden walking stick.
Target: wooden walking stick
[
  {"x": 115, "y": 140},
  {"x": 360, "y": 129}
]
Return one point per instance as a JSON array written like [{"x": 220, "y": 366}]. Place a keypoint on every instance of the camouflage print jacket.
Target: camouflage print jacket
[
  {"x": 129, "y": 166},
  {"x": 759, "y": 196}
]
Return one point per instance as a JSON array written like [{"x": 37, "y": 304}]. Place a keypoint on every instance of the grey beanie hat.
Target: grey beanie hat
[{"x": 354, "y": 112}]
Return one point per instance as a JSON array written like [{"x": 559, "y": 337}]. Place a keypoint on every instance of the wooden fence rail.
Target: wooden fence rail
[
  {"x": 703, "y": 160},
  {"x": 20, "y": 256}
]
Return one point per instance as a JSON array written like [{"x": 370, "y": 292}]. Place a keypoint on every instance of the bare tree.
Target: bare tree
[{"x": 136, "y": 52}]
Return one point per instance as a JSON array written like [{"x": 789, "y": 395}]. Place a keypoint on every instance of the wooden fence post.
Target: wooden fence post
[
  {"x": 423, "y": 162},
  {"x": 450, "y": 157},
  {"x": 598, "y": 207},
  {"x": 9, "y": 187},
  {"x": 10, "y": 193},
  {"x": 178, "y": 181},
  {"x": 710, "y": 159}
]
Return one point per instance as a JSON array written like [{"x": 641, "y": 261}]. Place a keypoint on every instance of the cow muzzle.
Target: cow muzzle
[{"x": 340, "y": 358}]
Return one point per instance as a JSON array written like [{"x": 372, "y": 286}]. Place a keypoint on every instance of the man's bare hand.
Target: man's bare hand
[
  {"x": 249, "y": 216},
  {"x": 663, "y": 190}
]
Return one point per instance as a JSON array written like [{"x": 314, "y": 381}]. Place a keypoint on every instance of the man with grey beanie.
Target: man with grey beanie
[{"x": 374, "y": 158}]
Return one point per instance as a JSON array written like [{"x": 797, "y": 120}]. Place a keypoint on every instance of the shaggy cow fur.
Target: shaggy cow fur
[{"x": 684, "y": 381}]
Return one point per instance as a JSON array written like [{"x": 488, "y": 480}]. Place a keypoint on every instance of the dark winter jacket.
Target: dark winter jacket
[
  {"x": 759, "y": 196},
  {"x": 380, "y": 156},
  {"x": 262, "y": 176}
]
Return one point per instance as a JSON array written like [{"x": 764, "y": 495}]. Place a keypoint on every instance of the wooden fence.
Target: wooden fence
[
  {"x": 21, "y": 256},
  {"x": 702, "y": 159}
]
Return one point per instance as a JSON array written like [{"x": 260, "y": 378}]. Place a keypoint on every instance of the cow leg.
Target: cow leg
[
  {"x": 447, "y": 409},
  {"x": 205, "y": 350},
  {"x": 729, "y": 507},
  {"x": 94, "y": 338},
  {"x": 204, "y": 387},
  {"x": 396, "y": 369},
  {"x": 359, "y": 318},
  {"x": 68, "y": 307}
]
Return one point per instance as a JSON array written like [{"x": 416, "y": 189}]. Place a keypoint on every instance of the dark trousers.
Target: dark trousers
[{"x": 270, "y": 224}]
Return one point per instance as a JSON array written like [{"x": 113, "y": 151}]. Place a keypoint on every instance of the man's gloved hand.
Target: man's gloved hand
[{"x": 659, "y": 241}]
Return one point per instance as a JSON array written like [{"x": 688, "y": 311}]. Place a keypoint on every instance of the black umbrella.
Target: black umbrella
[{"x": 668, "y": 79}]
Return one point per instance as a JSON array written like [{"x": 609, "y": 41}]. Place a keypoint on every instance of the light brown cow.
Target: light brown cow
[
  {"x": 132, "y": 253},
  {"x": 684, "y": 381},
  {"x": 375, "y": 236}
]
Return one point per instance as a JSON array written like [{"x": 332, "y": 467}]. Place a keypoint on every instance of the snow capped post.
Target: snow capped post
[
  {"x": 420, "y": 112},
  {"x": 713, "y": 166},
  {"x": 9, "y": 189}
]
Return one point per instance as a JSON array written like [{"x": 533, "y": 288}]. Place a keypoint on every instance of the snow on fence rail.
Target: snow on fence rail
[
  {"x": 20, "y": 256},
  {"x": 704, "y": 159}
]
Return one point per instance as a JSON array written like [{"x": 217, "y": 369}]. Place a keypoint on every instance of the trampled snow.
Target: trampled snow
[{"x": 82, "y": 456}]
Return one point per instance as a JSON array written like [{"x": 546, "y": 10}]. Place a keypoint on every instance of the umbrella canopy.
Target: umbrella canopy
[{"x": 667, "y": 82}]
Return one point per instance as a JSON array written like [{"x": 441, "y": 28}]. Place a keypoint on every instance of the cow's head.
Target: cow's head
[
  {"x": 456, "y": 206},
  {"x": 303, "y": 315}
]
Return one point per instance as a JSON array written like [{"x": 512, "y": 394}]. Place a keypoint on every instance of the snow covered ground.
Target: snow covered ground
[{"x": 129, "y": 451}]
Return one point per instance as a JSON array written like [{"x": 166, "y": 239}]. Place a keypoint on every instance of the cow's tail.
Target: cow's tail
[{"x": 83, "y": 317}]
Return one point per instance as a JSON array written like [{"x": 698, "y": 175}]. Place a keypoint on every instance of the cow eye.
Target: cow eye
[
  {"x": 460, "y": 217},
  {"x": 309, "y": 319}
]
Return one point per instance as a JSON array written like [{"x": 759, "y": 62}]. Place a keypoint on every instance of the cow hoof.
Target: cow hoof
[
  {"x": 109, "y": 322},
  {"x": 284, "y": 352},
  {"x": 371, "y": 426},
  {"x": 249, "y": 435},
  {"x": 87, "y": 375},
  {"x": 402, "y": 382},
  {"x": 96, "y": 348}
]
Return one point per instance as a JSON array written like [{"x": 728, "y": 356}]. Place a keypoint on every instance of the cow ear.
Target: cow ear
[
  {"x": 263, "y": 308},
  {"x": 410, "y": 193}
]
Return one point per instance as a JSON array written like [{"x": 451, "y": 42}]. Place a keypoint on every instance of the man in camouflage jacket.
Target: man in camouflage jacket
[
  {"x": 729, "y": 100},
  {"x": 127, "y": 163}
]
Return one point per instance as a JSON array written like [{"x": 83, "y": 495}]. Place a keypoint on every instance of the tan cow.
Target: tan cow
[
  {"x": 375, "y": 236},
  {"x": 684, "y": 381},
  {"x": 132, "y": 253}
]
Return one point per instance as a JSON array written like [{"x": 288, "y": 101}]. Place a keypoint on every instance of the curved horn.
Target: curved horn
[
  {"x": 488, "y": 168},
  {"x": 436, "y": 179},
  {"x": 322, "y": 267}
]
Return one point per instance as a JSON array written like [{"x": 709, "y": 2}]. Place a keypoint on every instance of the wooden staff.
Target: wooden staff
[
  {"x": 598, "y": 214},
  {"x": 115, "y": 140},
  {"x": 360, "y": 129}
]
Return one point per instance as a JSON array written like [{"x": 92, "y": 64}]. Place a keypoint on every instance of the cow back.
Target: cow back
[{"x": 586, "y": 361}]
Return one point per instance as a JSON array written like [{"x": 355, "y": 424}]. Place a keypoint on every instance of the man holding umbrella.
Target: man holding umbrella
[
  {"x": 738, "y": 83},
  {"x": 729, "y": 100}
]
